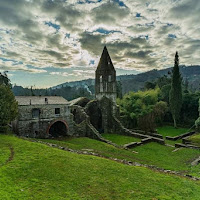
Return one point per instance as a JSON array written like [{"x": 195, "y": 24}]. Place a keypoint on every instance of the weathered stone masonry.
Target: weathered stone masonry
[{"x": 36, "y": 117}]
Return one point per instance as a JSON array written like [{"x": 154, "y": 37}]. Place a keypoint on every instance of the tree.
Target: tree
[
  {"x": 159, "y": 111},
  {"x": 142, "y": 109},
  {"x": 8, "y": 106},
  {"x": 119, "y": 89},
  {"x": 164, "y": 94},
  {"x": 149, "y": 85},
  {"x": 175, "y": 94},
  {"x": 4, "y": 80}
]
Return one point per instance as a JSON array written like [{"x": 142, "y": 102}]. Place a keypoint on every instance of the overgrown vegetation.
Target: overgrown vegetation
[
  {"x": 142, "y": 109},
  {"x": 161, "y": 101}
]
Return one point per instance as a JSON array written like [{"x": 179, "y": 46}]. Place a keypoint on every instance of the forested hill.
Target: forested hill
[
  {"x": 71, "y": 90},
  {"x": 136, "y": 82}
]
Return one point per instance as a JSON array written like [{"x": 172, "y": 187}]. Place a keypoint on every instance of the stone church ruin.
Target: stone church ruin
[{"x": 53, "y": 116}]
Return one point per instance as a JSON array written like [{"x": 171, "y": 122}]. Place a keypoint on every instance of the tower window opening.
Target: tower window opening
[
  {"x": 106, "y": 89},
  {"x": 109, "y": 78},
  {"x": 101, "y": 79},
  {"x": 101, "y": 87}
]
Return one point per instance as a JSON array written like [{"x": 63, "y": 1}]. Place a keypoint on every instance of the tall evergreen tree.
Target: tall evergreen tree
[{"x": 175, "y": 94}]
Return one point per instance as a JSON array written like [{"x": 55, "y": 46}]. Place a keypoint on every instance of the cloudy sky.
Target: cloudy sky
[{"x": 47, "y": 42}]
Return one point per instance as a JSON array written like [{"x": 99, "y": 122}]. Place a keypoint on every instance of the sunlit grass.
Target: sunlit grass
[
  {"x": 41, "y": 172},
  {"x": 120, "y": 139},
  {"x": 171, "y": 131}
]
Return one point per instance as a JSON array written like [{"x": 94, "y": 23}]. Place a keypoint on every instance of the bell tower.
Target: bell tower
[{"x": 105, "y": 78}]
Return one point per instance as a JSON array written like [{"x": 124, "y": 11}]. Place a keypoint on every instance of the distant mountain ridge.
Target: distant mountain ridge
[{"x": 136, "y": 82}]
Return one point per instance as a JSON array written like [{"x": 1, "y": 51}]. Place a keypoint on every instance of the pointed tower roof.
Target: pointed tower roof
[{"x": 105, "y": 62}]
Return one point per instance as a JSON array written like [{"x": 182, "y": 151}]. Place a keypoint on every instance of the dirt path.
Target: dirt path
[{"x": 12, "y": 153}]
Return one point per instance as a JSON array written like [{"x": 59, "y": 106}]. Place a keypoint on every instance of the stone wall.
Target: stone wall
[
  {"x": 180, "y": 136},
  {"x": 29, "y": 126}
]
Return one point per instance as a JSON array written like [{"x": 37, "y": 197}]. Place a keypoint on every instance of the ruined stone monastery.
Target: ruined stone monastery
[{"x": 53, "y": 116}]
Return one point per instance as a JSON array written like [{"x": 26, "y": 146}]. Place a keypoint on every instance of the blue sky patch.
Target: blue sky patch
[
  {"x": 50, "y": 24},
  {"x": 92, "y": 62},
  {"x": 106, "y": 32},
  {"x": 120, "y": 3},
  {"x": 138, "y": 15},
  {"x": 67, "y": 35},
  {"x": 172, "y": 36},
  {"x": 88, "y": 1}
]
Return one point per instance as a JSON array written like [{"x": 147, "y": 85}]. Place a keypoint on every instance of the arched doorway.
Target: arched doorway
[{"x": 58, "y": 129}]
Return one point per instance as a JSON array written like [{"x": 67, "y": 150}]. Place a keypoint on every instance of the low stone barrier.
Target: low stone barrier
[
  {"x": 180, "y": 136},
  {"x": 158, "y": 140},
  {"x": 148, "y": 133},
  {"x": 135, "y": 144},
  {"x": 179, "y": 145},
  {"x": 196, "y": 161},
  {"x": 186, "y": 140},
  {"x": 131, "y": 145}
]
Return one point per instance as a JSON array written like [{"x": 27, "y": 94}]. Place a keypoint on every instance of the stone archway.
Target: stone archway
[
  {"x": 58, "y": 128},
  {"x": 94, "y": 112}
]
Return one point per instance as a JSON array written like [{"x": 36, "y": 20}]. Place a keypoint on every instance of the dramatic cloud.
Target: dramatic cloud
[{"x": 53, "y": 41}]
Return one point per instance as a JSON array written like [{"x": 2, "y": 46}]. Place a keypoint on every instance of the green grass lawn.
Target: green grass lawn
[
  {"x": 165, "y": 157},
  {"x": 195, "y": 139},
  {"x": 120, "y": 139},
  {"x": 171, "y": 131},
  {"x": 171, "y": 142},
  {"x": 41, "y": 172},
  {"x": 151, "y": 154}
]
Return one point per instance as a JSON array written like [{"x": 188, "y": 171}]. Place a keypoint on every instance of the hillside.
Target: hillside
[
  {"x": 136, "y": 82},
  {"x": 71, "y": 90},
  {"x": 30, "y": 170}
]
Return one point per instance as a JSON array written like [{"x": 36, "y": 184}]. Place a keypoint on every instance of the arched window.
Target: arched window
[{"x": 36, "y": 113}]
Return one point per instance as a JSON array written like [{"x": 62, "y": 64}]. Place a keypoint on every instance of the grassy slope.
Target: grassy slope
[
  {"x": 195, "y": 139},
  {"x": 152, "y": 154},
  {"x": 171, "y": 131},
  {"x": 41, "y": 172},
  {"x": 120, "y": 139}
]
